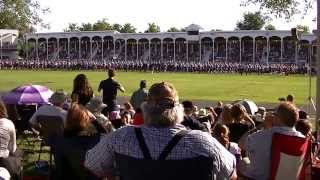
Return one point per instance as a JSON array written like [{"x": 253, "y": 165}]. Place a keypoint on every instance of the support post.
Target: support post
[
  {"x": 68, "y": 48},
  {"x": 240, "y": 52},
  {"x": 137, "y": 50},
  {"x": 37, "y": 49},
  {"x": 149, "y": 51},
  {"x": 80, "y": 48},
  {"x": 200, "y": 53},
  {"x": 254, "y": 50},
  {"x": 161, "y": 48},
  {"x": 226, "y": 49},
  {"x": 174, "y": 50},
  {"x": 47, "y": 46},
  {"x": 213, "y": 51},
  {"x": 187, "y": 44},
  {"x": 268, "y": 49},
  {"x": 281, "y": 51}
]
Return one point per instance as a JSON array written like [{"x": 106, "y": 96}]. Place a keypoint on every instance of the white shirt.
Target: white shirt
[
  {"x": 7, "y": 137},
  {"x": 48, "y": 110},
  {"x": 258, "y": 147}
]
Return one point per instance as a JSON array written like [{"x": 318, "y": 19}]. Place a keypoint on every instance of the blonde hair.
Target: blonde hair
[{"x": 226, "y": 114}]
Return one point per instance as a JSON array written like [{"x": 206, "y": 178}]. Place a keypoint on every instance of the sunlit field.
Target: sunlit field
[{"x": 194, "y": 86}]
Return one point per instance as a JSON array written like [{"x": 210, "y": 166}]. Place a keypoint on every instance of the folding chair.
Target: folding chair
[
  {"x": 50, "y": 128},
  {"x": 290, "y": 158}
]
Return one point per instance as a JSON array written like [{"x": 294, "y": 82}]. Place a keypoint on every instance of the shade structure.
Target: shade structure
[
  {"x": 250, "y": 106},
  {"x": 28, "y": 94}
]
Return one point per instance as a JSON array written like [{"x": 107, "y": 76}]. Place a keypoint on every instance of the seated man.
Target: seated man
[
  {"x": 57, "y": 99},
  {"x": 148, "y": 145},
  {"x": 258, "y": 145}
]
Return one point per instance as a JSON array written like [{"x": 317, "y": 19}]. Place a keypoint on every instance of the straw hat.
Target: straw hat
[{"x": 95, "y": 104}]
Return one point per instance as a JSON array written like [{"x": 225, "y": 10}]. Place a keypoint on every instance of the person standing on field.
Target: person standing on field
[
  {"x": 109, "y": 89},
  {"x": 140, "y": 95}
]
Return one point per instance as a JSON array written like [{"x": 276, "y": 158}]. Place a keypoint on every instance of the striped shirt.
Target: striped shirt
[
  {"x": 7, "y": 138},
  {"x": 196, "y": 143}
]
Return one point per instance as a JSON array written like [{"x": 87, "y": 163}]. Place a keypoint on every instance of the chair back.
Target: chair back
[
  {"x": 70, "y": 156},
  {"x": 50, "y": 127},
  {"x": 290, "y": 157}
]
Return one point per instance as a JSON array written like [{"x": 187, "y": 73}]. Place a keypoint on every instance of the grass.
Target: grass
[
  {"x": 30, "y": 145},
  {"x": 208, "y": 87}
]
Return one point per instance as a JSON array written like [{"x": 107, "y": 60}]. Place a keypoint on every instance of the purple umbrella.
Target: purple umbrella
[{"x": 28, "y": 94}]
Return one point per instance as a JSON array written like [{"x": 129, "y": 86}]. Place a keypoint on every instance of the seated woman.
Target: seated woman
[
  {"x": 221, "y": 133},
  {"x": 9, "y": 157},
  {"x": 95, "y": 106},
  {"x": 80, "y": 135}
]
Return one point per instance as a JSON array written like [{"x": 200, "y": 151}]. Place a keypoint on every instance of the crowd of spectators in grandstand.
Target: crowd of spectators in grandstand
[
  {"x": 186, "y": 142},
  {"x": 156, "y": 66}
]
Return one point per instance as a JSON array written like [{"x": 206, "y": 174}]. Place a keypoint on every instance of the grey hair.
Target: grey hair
[{"x": 155, "y": 117}]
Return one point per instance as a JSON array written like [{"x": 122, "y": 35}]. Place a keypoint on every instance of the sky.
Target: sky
[{"x": 209, "y": 14}]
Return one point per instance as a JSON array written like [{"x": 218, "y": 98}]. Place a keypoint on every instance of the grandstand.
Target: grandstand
[
  {"x": 8, "y": 44},
  {"x": 193, "y": 45}
]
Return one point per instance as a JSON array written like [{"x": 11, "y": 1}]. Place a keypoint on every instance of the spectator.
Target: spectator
[
  {"x": 241, "y": 124},
  {"x": 138, "y": 118},
  {"x": 218, "y": 108},
  {"x": 225, "y": 117},
  {"x": 140, "y": 95},
  {"x": 221, "y": 133},
  {"x": 258, "y": 145},
  {"x": 79, "y": 136},
  {"x": 303, "y": 115},
  {"x": 57, "y": 99},
  {"x": 4, "y": 174},
  {"x": 259, "y": 116},
  {"x": 189, "y": 120},
  {"x": 95, "y": 106},
  {"x": 10, "y": 158},
  {"x": 162, "y": 115},
  {"x": 305, "y": 127},
  {"x": 82, "y": 91},
  {"x": 290, "y": 98},
  {"x": 109, "y": 89},
  {"x": 129, "y": 108}
]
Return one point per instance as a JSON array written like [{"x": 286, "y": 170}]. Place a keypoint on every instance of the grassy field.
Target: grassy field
[{"x": 226, "y": 87}]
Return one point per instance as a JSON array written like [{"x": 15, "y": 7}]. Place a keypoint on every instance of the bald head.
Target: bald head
[{"x": 287, "y": 114}]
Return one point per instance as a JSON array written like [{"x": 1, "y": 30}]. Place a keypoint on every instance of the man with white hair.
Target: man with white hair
[
  {"x": 57, "y": 99},
  {"x": 162, "y": 148}
]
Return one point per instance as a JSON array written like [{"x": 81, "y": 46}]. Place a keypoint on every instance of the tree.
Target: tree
[
  {"x": 101, "y": 25},
  {"x": 152, "y": 28},
  {"x": 251, "y": 21},
  {"x": 128, "y": 28},
  {"x": 283, "y": 8},
  {"x": 173, "y": 29},
  {"x": 23, "y": 15},
  {"x": 270, "y": 27},
  {"x": 304, "y": 29},
  {"x": 86, "y": 27},
  {"x": 72, "y": 27},
  {"x": 116, "y": 27}
]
